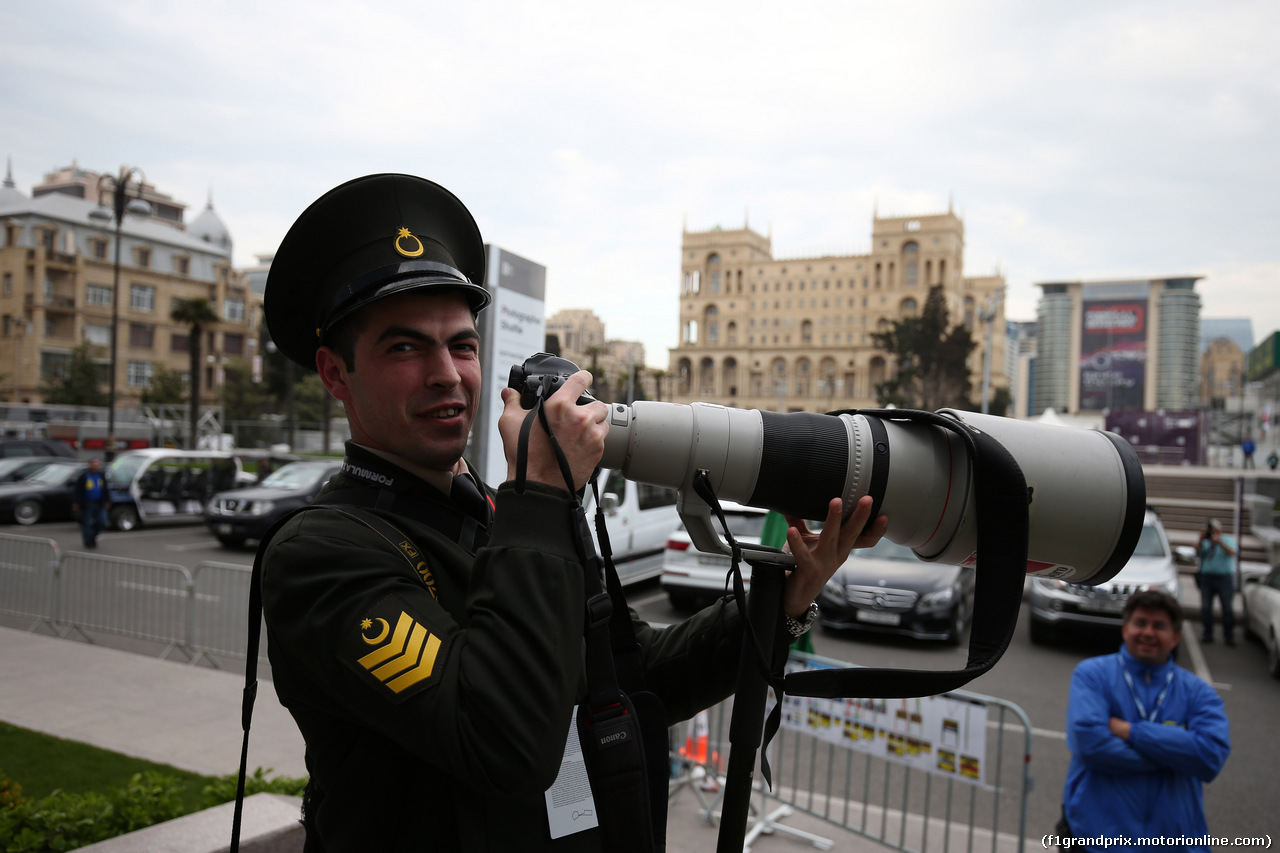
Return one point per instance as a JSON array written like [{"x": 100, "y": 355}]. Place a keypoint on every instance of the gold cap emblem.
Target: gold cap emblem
[{"x": 402, "y": 236}]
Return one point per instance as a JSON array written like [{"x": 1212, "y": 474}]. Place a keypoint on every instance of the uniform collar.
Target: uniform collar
[{"x": 441, "y": 480}]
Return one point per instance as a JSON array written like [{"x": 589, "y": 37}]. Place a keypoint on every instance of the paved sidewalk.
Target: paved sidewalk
[{"x": 189, "y": 717}]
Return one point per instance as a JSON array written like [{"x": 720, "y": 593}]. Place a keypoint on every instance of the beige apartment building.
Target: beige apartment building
[
  {"x": 581, "y": 335},
  {"x": 795, "y": 334},
  {"x": 56, "y": 288}
]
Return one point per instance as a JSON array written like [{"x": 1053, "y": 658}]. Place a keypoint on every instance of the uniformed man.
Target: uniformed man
[{"x": 433, "y": 665}]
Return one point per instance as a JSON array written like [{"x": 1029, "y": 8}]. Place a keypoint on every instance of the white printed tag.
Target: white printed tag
[{"x": 570, "y": 805}]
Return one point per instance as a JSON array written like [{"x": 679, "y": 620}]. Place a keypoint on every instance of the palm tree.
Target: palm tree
[{"x": 195, "y": 314}]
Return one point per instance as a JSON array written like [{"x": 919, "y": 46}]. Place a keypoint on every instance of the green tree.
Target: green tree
[
  {"x": 659, "y": 376},
  {"x": 196, "y": 315},
  {"x": 932, "y": 359},
  {"x": 308, "y": 399},
  {"x": 167, "y": 386},
  {"x": 79, "y": 382},
  {"x": 242, "y": 398}
]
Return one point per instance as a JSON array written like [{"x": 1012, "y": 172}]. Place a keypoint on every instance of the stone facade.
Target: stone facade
[
  {"x": 1221, "y": 372},
  {"x": 582, "y": 340},
  {"x": 795, "y": 334},
  {"x": 56, "y": 288}
]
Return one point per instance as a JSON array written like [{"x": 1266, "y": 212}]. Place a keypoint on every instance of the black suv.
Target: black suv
[{"x": 35, "y": 447}]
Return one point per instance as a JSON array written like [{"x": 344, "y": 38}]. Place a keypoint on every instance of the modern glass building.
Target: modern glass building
[{"x": 1120, "y": 345}]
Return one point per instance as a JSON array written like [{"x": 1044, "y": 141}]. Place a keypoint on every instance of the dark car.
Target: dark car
[
  {"x": 35, "y": 447},
  {"x": 45, "y": 496},
  {"x": 237, "y": 516},
  {"x": 888, "y": 589},
  {"x": 16, "y": 468}
]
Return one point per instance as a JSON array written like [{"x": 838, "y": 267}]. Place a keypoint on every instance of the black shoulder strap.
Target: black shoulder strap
[
  {"x": 338, "y": 502},
  {"x": 1000, "y": 496}
]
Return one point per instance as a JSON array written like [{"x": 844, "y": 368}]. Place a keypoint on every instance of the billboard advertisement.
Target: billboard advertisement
[
  {"x": 512, "y": 328},
  {"x": 1113, "y": 347}
]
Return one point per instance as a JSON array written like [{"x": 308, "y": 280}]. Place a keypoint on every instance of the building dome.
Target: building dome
[
  {"x": 9, "y": 192},
  {"x": 208, "y": 226}
]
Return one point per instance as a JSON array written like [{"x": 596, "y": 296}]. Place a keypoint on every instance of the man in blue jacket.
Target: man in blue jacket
[
  {"x": 89, "y": 498},
  {"x": 1145, "y": 735}
]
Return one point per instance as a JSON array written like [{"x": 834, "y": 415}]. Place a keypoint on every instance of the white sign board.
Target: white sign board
[
  {"x": 945, "y": 734},
  {"x": 512, "y": 328}
]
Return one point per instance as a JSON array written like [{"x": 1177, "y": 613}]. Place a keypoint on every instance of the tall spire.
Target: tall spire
[{"x": 8, "y": 178}]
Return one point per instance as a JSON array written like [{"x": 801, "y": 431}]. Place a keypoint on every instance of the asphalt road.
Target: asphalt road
[{"x": 1036, "y": 678}]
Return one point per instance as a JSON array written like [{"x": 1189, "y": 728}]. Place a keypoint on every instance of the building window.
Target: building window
[
  {"x": 140, "y": 373},
  {"x": 54, "y": 365},
  {"x": 233, "y": 310},
  {"x": 142, "y": 298},
  {"x": 48, "y": 239},
  {"x": 179, "y": 342},
  {"x": 99, "y": 336},
  {"x": 142, "y": 335},
  {"x": 143, "y": 256},
  {"x": 97, "y": 294},
  {"x": 8, "y": 284},
  {"x": 99, "y": 249},
  {"x": 910, "y": 262},
  {"x": 182, "y": 266},
  {"x": 233, "y": 344}
]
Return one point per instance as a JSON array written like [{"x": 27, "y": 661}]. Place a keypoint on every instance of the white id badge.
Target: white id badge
[{"x": 570, "y": 805}]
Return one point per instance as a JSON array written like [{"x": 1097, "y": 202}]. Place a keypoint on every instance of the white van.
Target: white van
[
  {"x": 157, "y": 484},
  {"x": 639, "y": 518}
]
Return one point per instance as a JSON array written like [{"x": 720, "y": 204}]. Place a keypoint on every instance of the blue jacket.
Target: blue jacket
[{"x": 1151, "y": 785}]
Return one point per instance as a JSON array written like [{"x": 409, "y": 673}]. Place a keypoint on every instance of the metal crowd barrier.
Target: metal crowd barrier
[
  {"x": 201, "y": 613},
  {"x": 219, "y": 613},
  {"x": 943, "y": 773},
  {"x": 28, "y": 579},
  {"x": 128, "y": 598}
]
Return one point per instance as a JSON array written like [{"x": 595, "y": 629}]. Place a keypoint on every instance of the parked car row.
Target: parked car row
[
  {"x": 883, "y": 589},
  {"x": 158, "y": 485}
]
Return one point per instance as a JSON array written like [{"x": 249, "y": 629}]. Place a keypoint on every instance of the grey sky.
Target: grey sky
[{"x": 1082, "y": 140}]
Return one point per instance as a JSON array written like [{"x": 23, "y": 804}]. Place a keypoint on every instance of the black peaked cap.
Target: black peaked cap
[{"x": 366, "y": 239}]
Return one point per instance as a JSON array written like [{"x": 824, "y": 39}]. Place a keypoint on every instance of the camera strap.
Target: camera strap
[
  {"x": 622, "y": 734},
  {"x": 1001, "y": 499}
]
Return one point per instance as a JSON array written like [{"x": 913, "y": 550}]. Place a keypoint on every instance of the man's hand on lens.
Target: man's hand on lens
[{"x": 818, "y": 555}]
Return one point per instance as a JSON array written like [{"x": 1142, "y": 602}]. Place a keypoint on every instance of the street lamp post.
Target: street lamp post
[{"x": 118, "y": 185}]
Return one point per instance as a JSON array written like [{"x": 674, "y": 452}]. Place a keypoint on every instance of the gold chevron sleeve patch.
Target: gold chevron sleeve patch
[{"x": 395, "y": 649}]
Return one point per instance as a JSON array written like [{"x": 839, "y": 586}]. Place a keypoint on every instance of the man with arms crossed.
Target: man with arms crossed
[
  {"x": 1144, "y": 734},
  {"x": 434, "y": 671}
]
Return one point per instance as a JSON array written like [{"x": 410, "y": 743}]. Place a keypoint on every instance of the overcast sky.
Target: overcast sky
[{"x": 1079, "y": 140}]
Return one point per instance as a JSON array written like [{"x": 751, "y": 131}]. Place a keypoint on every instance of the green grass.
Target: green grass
[{"x": 42, "y": 763}]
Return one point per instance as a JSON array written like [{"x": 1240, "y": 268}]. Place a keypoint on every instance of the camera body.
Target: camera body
[{"x": 545, "y": 373}]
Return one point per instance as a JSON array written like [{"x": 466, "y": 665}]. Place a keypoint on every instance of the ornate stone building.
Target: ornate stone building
[
  {"x": 56, "y": 288},
  {"x": 795, "y": 334}
]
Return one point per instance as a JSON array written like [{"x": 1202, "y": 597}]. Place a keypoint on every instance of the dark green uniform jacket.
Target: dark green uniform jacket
[{"x": 435, "y": 693}]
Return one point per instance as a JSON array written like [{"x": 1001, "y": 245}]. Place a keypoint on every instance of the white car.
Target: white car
[
  {"x": 638, "y": 518},
  {"x": 692, "y": 578},
  {"x": 1055, "y": 603},
  {"x": 1261, "y": 596}
]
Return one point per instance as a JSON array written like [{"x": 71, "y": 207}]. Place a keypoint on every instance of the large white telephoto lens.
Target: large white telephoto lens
[{"x": 1086, "y": 491}]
